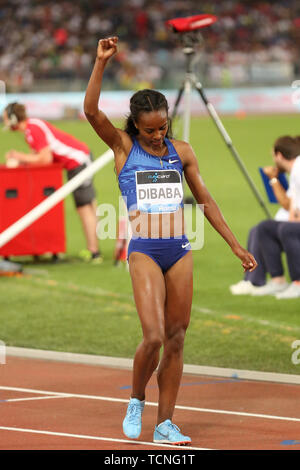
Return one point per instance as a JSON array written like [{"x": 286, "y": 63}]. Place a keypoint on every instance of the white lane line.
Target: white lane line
[
  {"x": 97, "y": 438},
  {"x": 33, "y": 390},
  {"x": 125, "y": 400},
  {"x": 31, "y": 398}
]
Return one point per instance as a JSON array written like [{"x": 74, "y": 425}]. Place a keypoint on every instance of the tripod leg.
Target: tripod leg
[
  {"x": 178, "y": 99},
  {"x": 187, "y": 109},
  {"x": 229, "y": 144},
  {"x": 186, "y": 90}
]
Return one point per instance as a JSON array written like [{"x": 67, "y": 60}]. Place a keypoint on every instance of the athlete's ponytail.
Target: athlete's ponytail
[{"x": 130, "y": 126}]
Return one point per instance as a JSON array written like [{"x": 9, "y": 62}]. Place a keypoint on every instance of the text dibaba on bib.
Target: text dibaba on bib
[{"x": 158, "y": 191}]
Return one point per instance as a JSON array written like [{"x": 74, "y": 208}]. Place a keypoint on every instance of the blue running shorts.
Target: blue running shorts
[{"x": 164, "y": 251}]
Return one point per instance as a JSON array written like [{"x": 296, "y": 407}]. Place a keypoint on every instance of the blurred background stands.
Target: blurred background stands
[{"x": 49, "y": 46}]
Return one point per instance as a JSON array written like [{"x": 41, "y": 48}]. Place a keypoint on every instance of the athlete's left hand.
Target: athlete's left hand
[{"x": 249, "y": 263}]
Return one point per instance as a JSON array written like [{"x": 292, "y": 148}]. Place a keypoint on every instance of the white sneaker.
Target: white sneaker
[
  {"x": 242, "y": 288},
  {"x": 292, "y": 292},
  {"x": 271, "y": 288}
]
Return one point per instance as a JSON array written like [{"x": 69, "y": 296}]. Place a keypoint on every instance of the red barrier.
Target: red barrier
[{"x": 21, "y": 189}]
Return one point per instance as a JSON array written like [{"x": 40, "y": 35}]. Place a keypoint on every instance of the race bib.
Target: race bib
[{"x": 158, "y": 191}]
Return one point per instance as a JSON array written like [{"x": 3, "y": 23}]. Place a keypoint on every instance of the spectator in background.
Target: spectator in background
[
  {"x": 50, "y": 144},
  {"x": 269, "y": 239},
  {"x": 39, "y": 33}
]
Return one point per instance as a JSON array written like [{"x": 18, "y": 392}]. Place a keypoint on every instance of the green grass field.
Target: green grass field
[{"x": 76, "y": 307}]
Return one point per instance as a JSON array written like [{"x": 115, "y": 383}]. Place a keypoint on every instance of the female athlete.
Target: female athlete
[{"x": 150, "y": 165}]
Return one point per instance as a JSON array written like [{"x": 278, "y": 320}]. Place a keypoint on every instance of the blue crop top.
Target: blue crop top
[{"x": 151, "y": 184}]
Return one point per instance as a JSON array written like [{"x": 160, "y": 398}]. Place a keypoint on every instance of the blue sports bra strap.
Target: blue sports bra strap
[{"x": 171, "y": 148}]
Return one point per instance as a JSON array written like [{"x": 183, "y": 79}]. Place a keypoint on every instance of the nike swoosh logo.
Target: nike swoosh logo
[
  {"x": 184, "y": 246},
  {"x": 166, "y": 436},
  {"x": 173, "y": 161}
]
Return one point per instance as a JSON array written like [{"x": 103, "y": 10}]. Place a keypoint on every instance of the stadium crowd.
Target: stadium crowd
[{"x": 46, "y": 39}]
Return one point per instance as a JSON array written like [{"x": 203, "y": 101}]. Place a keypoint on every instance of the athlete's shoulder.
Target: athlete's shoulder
[
  {"x": 181, "y": 145},
  {"x": 184, "y": 150}
]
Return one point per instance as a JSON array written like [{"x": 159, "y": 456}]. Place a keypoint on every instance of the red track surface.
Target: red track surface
[{"x": 217, "y": 413}]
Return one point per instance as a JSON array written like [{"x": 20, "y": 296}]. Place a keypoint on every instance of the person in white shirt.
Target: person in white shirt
[{"x": 270, "y": 238}]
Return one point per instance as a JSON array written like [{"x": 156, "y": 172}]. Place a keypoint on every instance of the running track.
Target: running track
[{"x": 70, "y": 405}]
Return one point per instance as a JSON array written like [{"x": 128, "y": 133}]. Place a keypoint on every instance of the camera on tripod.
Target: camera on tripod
[{"x": 187, "y": 29}]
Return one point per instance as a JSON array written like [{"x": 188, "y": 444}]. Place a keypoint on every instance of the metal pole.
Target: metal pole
[{"x": 230, "y": 146}]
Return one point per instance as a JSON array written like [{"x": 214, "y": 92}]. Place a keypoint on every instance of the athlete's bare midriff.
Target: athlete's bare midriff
[{"x": 163, "y": 225}]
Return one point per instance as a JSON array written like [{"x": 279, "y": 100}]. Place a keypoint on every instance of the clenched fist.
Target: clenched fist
[{"x": 107, "y": 48}]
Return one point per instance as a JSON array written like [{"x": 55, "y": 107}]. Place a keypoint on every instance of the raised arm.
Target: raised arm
[
  {"x": 211, "y": 210},
  {"x": 98, "y": 120}
]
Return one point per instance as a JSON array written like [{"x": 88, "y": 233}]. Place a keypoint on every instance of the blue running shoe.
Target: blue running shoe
[
  {"x": 169, "y": 433},
  {"x": 132, "y": 424}
]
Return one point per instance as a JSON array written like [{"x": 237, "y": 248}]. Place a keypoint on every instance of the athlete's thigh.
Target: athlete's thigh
[
  {"x": 179, "y": 294},
  {"x": 149, "y": 291}
]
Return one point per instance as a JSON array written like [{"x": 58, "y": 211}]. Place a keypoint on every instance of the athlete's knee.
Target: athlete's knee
[
  {"x": 153, "y": 342},
  {"x": 175, "y": 339}
]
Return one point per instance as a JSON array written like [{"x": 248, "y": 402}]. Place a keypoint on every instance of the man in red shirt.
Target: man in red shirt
[{"x": 50, "y": 144}]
